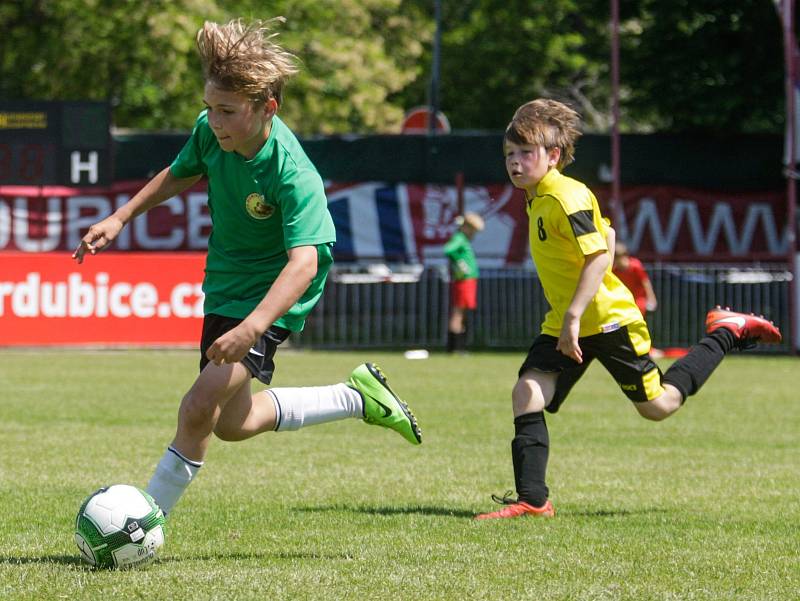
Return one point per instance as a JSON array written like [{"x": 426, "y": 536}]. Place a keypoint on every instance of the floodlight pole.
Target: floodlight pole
[
  {"x": 435, "y": 68},
  {"x": 790, "y": 54},
  {"x": 615, "y": 203}
]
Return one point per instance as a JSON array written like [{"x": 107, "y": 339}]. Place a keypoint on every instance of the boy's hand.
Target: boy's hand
[
  {"x": 232, "y": 346},
  {"x": 99, "y": 236},
  {"x": 568, "y": 340}
]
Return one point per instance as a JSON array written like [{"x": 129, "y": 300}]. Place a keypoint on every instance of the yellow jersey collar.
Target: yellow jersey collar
[{"x": 547, "y": 180}]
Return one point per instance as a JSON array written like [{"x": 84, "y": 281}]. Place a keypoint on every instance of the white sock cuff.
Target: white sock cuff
[
  {"x": 197, "y": 464},
  {"x": 278, "y": 409},
  {"x": 173, "y": 474}
]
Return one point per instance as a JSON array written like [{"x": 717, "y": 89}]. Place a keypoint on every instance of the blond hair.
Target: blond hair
[
  {"x": 548, "y": 123},
  {"x": 242, "y": 58},
  {"x": 473, "y": 220}
]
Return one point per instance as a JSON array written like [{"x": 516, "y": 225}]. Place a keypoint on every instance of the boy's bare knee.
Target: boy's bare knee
[
  {"x": 654, "y": 417},
  {"x": 654, "y": 410},
  {"x": 520, "y": 390},
  {"x": 195, "y": 411},
  {"x": 227, "y": 434},
  {"x": 526, "y": 397}
]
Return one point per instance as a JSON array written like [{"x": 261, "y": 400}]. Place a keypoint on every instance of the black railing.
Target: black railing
[{"x": 410, "y": 309}]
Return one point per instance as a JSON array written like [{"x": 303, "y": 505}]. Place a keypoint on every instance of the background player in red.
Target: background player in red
[
  {"x": 633, "y": 274},
  {"x": 464, "y": 274}
]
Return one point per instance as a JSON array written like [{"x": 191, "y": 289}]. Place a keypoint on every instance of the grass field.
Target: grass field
[{"x": 702, "y": 506}]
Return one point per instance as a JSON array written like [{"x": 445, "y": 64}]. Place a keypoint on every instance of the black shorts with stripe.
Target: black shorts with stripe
[
  {"x": 260, "y": 360},
  {"x": 624, "y": 353}
]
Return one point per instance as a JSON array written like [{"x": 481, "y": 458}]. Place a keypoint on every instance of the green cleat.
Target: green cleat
[{"x": 382, "y": 407}]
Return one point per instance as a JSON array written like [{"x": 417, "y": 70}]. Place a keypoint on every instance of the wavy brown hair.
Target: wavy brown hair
[
  {"x": 547, "y": 123},
  {"x": 242, "y": 57}
]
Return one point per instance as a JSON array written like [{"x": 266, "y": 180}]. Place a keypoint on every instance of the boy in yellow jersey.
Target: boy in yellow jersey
[{"x": 592, "y": 314}]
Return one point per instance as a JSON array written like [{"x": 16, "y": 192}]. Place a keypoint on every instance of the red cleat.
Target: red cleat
[
  {"x": 748, "y": 329},
  {"x": 520, "y": 509}
]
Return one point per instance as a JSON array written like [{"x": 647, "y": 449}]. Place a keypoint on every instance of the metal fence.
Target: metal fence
[{"x": 410, "y": 309}]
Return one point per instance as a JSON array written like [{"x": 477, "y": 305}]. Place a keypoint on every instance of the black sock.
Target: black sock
[
  {"x": 461, "y": 342},
  {"x": 529, "y": 451},
  {"x": 689, "y": 373},
  {"x": 451, "y": 341}
]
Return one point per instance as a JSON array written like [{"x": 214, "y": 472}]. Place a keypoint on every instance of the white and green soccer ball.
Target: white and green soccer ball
[{"x": 119, "y": 526}]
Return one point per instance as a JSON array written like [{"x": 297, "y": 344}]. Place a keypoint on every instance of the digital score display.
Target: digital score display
[{"x": 55, "y": 143}]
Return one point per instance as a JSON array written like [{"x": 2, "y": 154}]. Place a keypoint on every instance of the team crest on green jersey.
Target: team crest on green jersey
[{"x": 257, "y": 208}]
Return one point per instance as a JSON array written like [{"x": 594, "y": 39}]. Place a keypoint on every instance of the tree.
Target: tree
[
  {"x": 356, "y": 54},
  {"x": 139, "y": 55},
  {"x": 686, "y": 65},
  {"x": 136, "y": 54},
  {"x": 702, "y": 65},
  {"x": 497, "y": 54}
]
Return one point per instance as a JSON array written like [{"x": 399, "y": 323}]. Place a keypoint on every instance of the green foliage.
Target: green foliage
[
  {"x": 350, "y": 70},
  {"x": 703, "y": 506},
  {"x": 694, "y": 65},
  {"x": 685, "y": 65},
  {"x": 139, "y": 54},
  {"x": 499, "y": 54}
]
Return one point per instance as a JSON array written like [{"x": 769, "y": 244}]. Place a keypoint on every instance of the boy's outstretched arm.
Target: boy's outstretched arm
[
  {"x": 591, "y": 276},
  {"x": 611, "y": 241},
  {"x": 157, "y": 190},
  {"x": 652, "y": 301}
]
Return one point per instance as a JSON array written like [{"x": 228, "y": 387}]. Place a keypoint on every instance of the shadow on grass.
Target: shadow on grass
[
  {"x": 393, "y": 510},
  {"x": 613, "y": 513},
  {"x": 462, "y": 513},
  {"x": 311, "y": 554},
  {"x": 75, "y": 561},
  {"x": 62, "y": 559},
  {"x": 304, "y": 555}
]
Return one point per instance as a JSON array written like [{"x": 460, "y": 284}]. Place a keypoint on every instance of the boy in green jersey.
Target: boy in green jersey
[
  {"x": 592, "y": 314},
  {"x": 464, "y": 274},
  {"x": 268, "y": 256}
]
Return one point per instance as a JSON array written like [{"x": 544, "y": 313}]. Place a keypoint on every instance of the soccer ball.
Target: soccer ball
[{"x": 119, "y": 526}]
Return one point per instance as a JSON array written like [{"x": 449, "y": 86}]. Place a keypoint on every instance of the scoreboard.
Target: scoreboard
[{"x": 55, "y": 143}]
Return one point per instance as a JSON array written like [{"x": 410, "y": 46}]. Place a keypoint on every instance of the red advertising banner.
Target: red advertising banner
[
  {"x": 111, "y": 299},
  {"x": 55, "y": 218},
  {"x": 670, "y": 223},
  {"x": 408, "y": 223}
]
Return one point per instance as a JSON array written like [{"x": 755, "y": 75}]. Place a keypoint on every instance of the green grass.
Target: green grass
[{"x": 702, "y": 506}]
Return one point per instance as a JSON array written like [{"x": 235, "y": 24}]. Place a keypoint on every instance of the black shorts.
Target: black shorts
[
  {"x": 623, "y": 352},
  {"x": 259, "y": 361}
]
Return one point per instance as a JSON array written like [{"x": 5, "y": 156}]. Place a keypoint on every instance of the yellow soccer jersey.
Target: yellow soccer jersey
[{"x": 565, "y": 225}]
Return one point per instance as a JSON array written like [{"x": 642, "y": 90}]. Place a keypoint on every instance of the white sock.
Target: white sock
[
  {"x": 173, "y": 474},
  {"x": 311, "y": 405}
]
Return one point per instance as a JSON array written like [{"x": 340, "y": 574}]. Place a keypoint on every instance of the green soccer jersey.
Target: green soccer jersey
[
  {"x": 260, "y": 208},
  {"x": 463, "y": 264},
  {"x": 565, "y": 227}
]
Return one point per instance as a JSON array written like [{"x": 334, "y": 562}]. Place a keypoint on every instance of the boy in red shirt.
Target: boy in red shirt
[{"x": 632, "y": 273}]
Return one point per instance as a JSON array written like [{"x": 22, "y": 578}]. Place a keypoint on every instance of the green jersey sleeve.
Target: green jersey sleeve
[
  {"x": 306, "y": 220},
  {"x": 189, "y": 161}
]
